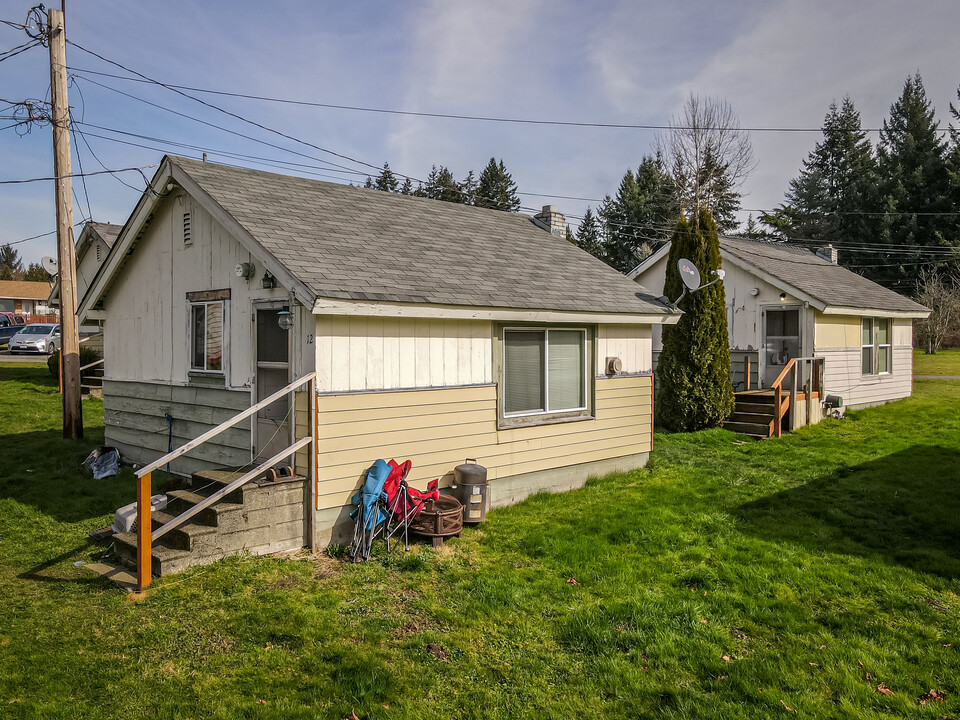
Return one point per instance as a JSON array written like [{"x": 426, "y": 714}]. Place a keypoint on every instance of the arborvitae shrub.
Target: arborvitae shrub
[{"x": 695, "y": 391}]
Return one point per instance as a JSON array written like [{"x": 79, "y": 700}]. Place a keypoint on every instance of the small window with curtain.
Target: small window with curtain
[
  {"x": 206, "y": 336},
  {"x": 876, "y": 351},
  {"x": 545, "y": 373}
]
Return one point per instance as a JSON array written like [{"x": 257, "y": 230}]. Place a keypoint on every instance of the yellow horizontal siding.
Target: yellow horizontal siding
[{"x": 438, "y": 429}]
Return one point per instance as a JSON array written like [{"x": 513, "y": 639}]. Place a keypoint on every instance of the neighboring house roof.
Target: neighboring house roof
[
  {"x": 349, "y": 243},
  {"x": 107, "y": 232},
  {"x": 24, "y": 290},
  {"x": 807, "y": 275}
]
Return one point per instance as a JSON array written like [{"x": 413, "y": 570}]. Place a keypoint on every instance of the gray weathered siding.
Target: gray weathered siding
[{"x": 135, "y": 424}]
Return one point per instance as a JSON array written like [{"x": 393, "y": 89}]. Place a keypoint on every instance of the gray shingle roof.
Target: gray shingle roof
[
  {"x": 818, "y": 278},
  {"x": 350, "y": 243},
  {"x": 108, "y": 232}
]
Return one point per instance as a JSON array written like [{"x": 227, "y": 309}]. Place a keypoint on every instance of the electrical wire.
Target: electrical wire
[
  {"x": 74, "y": 175},
  {"x": 13, "y": 52},
  {"x": 454, "y": 116}
]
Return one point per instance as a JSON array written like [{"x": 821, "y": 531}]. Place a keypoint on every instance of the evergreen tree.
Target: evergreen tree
[
  {"x": 407, "y": 187},
  {"x": 469, "y": 189},
  {"x": 386, "y": 180},
  {"x": 695, "y": 391},
  {"x": 914, "y": 184},
  {"x": 369, "y": 183},
  {"x": 833, "y": 197},
  {"x": 644, "y": 206},
  {"x": 35, "y": 273},
  {"x": 11, "y": 267},
  {"x": 440, "y": 185},
  {"x": 953, "y": 167},
  {"x": 589, "y": 237},
  {"x": 496, "y": 189}
]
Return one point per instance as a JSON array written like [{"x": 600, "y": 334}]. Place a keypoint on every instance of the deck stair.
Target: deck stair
[
  {"x": 259, "y": 517},
  {"x": 91, "y": 381},
  {"x": 754, "y": 413}
]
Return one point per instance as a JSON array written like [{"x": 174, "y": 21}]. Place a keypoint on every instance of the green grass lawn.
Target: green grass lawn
[
  {"x": 944, "y": 362},
  {"x": 729, "y": 579}
]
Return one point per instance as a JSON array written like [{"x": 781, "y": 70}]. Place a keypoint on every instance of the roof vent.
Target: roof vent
[
  {"x": 828, "y": 253},
  {"x": 187, "y": 229}
]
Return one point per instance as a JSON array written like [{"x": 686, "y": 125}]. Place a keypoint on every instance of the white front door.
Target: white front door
[
  {"x": 273, "y": 423},
  {"x": 781, "y": 340}
]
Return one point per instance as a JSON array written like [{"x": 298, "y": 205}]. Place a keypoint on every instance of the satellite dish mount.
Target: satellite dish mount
[
  {"x": 691, "y": 281},
  {"x": 50, "y": 266}
]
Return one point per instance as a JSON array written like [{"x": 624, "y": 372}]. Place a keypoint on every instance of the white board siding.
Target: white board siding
[
  {"x": 147, "y": 322},
  {"x": 367, "y": 353},
  {"x": 842, "y": 376},
  {"x": 438, "y": 429},
  {"x": 631, "y": 343}
]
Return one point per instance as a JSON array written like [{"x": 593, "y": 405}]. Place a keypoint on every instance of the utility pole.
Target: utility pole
[{"x": 66, "y": 253}]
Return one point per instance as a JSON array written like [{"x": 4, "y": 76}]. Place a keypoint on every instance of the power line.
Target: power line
[
  {"x": 454, "y": 116},
  {"x": 73, "y": 175},
  {"x": 13, "y": 52}
]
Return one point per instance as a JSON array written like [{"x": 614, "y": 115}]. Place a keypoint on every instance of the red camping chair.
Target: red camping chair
[{"x": 403, "y": 501}]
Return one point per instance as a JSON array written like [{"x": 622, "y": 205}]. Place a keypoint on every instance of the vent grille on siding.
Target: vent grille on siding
[
  {"x": 98, "y": 252},
  {"x": 187, "y": 236}
]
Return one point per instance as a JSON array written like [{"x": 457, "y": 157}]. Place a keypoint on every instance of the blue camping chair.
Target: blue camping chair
[{"x": 371, "y": 513}]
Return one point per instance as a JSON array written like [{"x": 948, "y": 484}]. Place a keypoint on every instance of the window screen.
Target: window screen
[
  {"x": 565, "y": 372},
  {"x": 523, "y": 366}
]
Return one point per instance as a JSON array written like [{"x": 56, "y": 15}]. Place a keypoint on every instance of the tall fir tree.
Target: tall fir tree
[
  {"x": 407, "y": 187},
  {"x": 386, "y": 180},
  {"x": 914, "y": 186},
  {"x": 440, "y": 185},
  {"x": 833, "y": 199},
  {"x": 953, "y": 167},
  {"x": 496, "y": 189},
  {"x": 589, "y": 236},
  {"x": 645, "y": 205},
  {"x": 695, "y": 391},
  {"x": 11, "y": 266},
  {"x": 469, "y": 189}
]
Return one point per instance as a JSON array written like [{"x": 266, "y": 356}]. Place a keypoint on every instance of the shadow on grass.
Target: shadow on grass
[
  {"x": 904, "y": 508},
  {"x": 36, "y": 573},
  {"x": 42, "y": 470}
]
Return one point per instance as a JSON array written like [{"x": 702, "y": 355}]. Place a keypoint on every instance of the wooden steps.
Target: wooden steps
[{"x": 754, "y": 414}]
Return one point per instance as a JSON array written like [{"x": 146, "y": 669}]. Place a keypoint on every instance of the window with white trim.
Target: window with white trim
[
  {"x": 545, "y": 373},
  {"x": 206, "y": 336},
  {"x": 876, "y": 353}
]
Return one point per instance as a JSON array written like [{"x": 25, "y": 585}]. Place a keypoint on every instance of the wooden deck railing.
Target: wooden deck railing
[
  {"x": 797, "y": 369},
  {"x": 145, "y": 533}
]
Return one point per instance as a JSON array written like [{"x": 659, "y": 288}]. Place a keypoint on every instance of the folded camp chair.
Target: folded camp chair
[
  {"x": 404, "y": 502},
  {"x": 370, "y": 514}
]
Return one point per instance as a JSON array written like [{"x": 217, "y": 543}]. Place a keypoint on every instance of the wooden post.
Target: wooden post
[
  {"x": 746, "y": 372},
  {"x": 310, "y": 506},
  {"x": 144, "y": 528},
  {"x": 808, "y": 397},
  {"x": 777, "y": 419},
  {"x": 793, "y": 398},
  {"x": 66, "y": 253}
]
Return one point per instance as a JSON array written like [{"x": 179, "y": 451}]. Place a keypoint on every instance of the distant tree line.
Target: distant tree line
[
  {"x": 494, "y": 189},
  {"x": 12, "y": 267}
]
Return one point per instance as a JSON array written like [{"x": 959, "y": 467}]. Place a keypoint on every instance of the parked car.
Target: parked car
[
  {"x": 8, "y": 318},
  {"x": 10, "y": 325},
  {"x": 36, "y": 338}
]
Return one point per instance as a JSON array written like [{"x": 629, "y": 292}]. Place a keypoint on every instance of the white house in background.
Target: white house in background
[
  {"x": 438, "y": 331},
  {"x": 785, "y": 301},
  {"x": 92, "y": 249}
]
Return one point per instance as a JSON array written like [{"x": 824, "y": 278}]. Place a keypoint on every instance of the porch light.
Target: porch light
[
  {"x": 783, "y": 297},
  {"x": 268, "y": 281},
  {"x": 285, "y": 319}
]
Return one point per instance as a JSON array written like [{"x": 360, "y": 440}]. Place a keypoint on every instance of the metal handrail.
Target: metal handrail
[
  {"x": 91, "y": 337},
  {"x": 145, "y": 537},
  {"x": 201, "y": 439},
  {"x": 96, "y": 362},
  {"x": 216, "y": 497}
]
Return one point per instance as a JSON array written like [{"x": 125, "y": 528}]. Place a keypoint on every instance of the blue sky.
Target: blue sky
[{"x": 779, "y": 63}]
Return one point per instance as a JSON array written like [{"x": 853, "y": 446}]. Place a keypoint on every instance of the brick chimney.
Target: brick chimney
[
  {"x": 552, "y": 220},
  {"x": 828, "y": 253}
]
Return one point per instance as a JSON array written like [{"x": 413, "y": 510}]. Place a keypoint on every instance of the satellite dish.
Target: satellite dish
[
  {"x": 689, "y": 274},
  {"x": 50, "y": 265}
]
